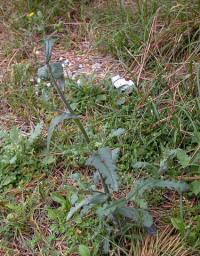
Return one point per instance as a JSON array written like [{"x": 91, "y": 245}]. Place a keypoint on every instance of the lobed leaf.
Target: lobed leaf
[
  {"x": 139, "y": 216},
  {"x": 195, "y": 187},
  {"x": 104, "y": 162},
  {"x": 110, "y": 208},
  {"x": 94, "y": 199},
  {"x": 143, "y": 186},
  {"x": 35, "y": 133},
  {"x": 144, "y": 165},
  {"x": 117, "y": 132},
  {"x": 57, "y": 71},
  {"x": 183, "y": 158}
]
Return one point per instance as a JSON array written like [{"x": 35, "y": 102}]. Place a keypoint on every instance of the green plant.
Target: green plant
[
  {"x": 54, "y": 72},
  {"x": 18, "y": 159},
  {"x": 83, "y": 250},
  {"x": 109, "y": 209},
  {"x": 115, "y": 212},
  {"x": 17, "y": 217}
]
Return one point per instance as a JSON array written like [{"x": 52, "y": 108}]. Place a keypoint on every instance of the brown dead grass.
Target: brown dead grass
[{"x": 165, "y": 243}]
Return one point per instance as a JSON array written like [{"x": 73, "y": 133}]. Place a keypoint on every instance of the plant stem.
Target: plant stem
[
  {"x": 66, "y": 104},
  {"x": 106, "y": 189}
]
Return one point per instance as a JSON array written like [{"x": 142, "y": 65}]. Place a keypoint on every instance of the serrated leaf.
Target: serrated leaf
[
  {"x": 84, "y": 250},
  {"x": 35, "y": 133},
  {"x": 2, "y": 134},
  {"x": 86, "y": 209},
  {"x": 8, "y": 179},
  {"x": 49, "y": 43},
  {"x": 102, "y": 160},
  {"x": 139, "y": 216},
  {"x": 183, "y": 158},
  {"x": 195, "y": 187},
  {"x": 115, "y": 154},
  {"x": 74, "y": 198},
  {"x": 52, "y": 213},
  {"x": 163, "y": 167},
  {"x": 110, "y": 208},
  {"x": 143, "y": 165},
  {"x": 57, "y": 71},
  {"x": 142, "y": 186},
  {"x": 55, "y": 122},
  {"x": 117, "y": 132},
  {"x": 94, "y": 199},
  {"x": 47, "y": 160},
  {"x": 96, "y": 178},
  {"x": 13, "y": 160}
]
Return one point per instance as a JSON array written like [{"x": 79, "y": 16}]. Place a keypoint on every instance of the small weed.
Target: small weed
[{"x": 20, "y": 157}]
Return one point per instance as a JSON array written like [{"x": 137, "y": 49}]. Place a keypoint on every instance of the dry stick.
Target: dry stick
[{"x": 67, "y": 105}]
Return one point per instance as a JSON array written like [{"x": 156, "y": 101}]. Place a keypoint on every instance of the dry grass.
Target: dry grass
[{"x": 165, "y": 243}]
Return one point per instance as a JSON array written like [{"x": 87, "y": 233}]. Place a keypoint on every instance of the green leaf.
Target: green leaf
[
  {"x": 163, "y": 166},
  {"x": 84, "y": 250},
  {"x": 178, "y": 224},
  {"x": 143, "y": 186},
  {"x": 55, "y": 122},
  {"x": 97, "y": 198},
  {"x": 106, "y": 246},
  {"x": 2, "y": 134},
  {"x": 8, "y": 179},
  {"x": 13, "y": 160},
  {"x": 110, "y": 208},
  {"x": 47, "y": 160},
  {"x": 144, "y": 165},
  {"x": 73, "y": 198},
  {"x": 60, "y": 199},
  {"x": 52, "y": 213},
  {"x": 49, "y": 43},
  {"x": 117, "y": 132},
  {"x": 35, "y": 133},
  {"x": 139, "y": 216},
  {"x": 195, "y": 187},
  {"x": 102, "y": 160},
  {"x": 115, "y": 154},
  {"x": 57, "y": 71},
  {"x": 183, "y": 158}
]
